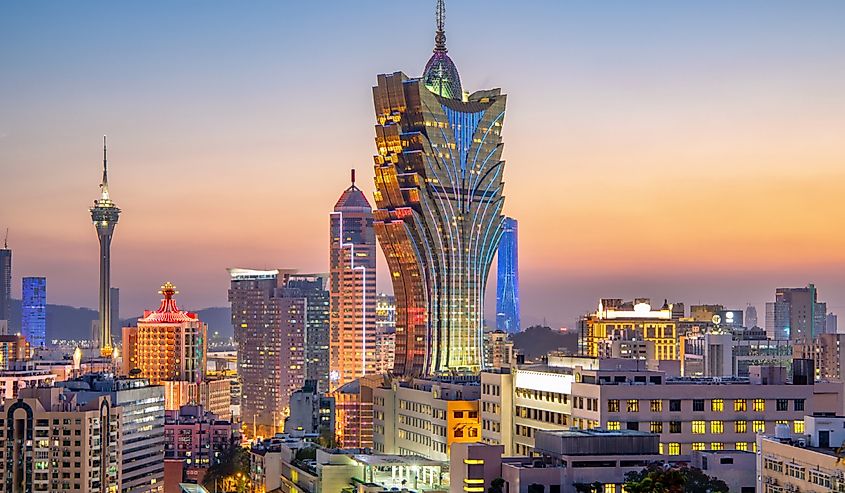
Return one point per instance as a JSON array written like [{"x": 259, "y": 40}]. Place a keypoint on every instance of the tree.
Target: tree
[
  {"x": 497, "y": 486},
  {"x": 232, "y": 465},
  {"x": 536, "y": 488},
  {"x": 657, "y": 478}
]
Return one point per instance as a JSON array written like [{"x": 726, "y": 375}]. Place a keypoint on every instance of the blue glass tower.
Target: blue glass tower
[
  {"x": 34, "y": 310},
  {"x": 507, "y": 279}
]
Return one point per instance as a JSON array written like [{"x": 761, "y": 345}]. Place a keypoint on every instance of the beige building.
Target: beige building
[
  {"x": 687, "y": 414},
  {"x": 213, "y": 395},
  {"x": 630, "y": 320},
  {"x": 827, "y": 354},
  {"x": 19, "y": 377},
  {"x": 425, "y": 417},
  {"x": 53, "y": 442},
  {"x": 498, "y": 349}
]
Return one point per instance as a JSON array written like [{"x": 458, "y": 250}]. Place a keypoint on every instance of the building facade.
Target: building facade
[
  {"x": 269, "y": 324},
  {"x": 168, "y": 344},
  {"x": 312, "y": 287},
  {"x": 104, "y": 215},
  {"x": 507, "y": 278},
  {"x": 5, "y": 282},
  {"x": 630, "y": 321},
  {"x": 197, "y": 438},
  {"x": 55, "y": 442},
  {"x": 827, "y": 354},
  {"x": 34, "y": 311},
  {"x": 796, "y": 314},
  {"x": 352, "y": 285},
  {"x": 311, "y": 413},
  {"x": 439, "y": 198}
]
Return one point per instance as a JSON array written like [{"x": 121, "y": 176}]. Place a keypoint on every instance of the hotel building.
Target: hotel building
[
  {"x": 55, "y": 441},
  {"x": 439, "y": 198},
  {"x": 628, "y": 321},
  {"x": 352, "y": 285}
]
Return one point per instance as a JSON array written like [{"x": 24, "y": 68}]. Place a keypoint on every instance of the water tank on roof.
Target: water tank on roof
[{"x": 782, "y": 431}]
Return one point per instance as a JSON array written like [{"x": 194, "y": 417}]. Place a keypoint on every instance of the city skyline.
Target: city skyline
[{"x": 714, "y": 158}]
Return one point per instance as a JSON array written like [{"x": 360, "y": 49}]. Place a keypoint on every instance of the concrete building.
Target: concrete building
[
  {"x": 687, "y": 413},
  {"x": 312, "y": 287},
  {"x": 735, "y": 467},
  {"x": 796, "y": 314},
  {"x": 498, "y": 349},
  {"x": 141, "y": 423},
  {"x": 310, "y": 412},
  {"x": 196, "y": 438},
  {"x": 630, "y": 321},
  {"x": 352, "y": 287},
  {"x": 13, "y": 349},
  {"x": 55, "y": 441},
  {"x": 425, "y": 417},
  {"x": 719, "y": 353},
  {"x": 354, "y": 412},
  {"x": 215, "y": 396},
  {"x": 19, "y": 376},
  {"x": 751, "y": 316},
  {"x": 168, "y": 344},
  {"x": 827, "y": 354},
  {"x": 269, "y": 322}
]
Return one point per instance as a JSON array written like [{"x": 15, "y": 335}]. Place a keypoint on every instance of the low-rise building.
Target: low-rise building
[
  {"x": 197, "y": 438},
  {"x": 310, "y": 411},
  {"x": 19, "y": 376},
  {"x": 735, "y": 467}
]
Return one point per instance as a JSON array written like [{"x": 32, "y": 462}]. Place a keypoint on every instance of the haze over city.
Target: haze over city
[{"x": 658, "y": 149}]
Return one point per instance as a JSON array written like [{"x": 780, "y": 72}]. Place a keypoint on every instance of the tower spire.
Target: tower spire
[
  {"x": 105, "y": 183},
  {"x": 353, "y": 177},
  {"x": 440, "y": 35}
]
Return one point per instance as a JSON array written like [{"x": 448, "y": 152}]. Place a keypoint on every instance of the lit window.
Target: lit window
[
  {"x": 656, "y": 427},
  {"x": 740, "y": 426},
  {"x": 717, "y": 446},
  {"x": 660, "y": 448},
  {"x": 613, "y": 425},
  {"x": 613, "y": 406},
  {"x": 610, "y": 488},
  {"x": 656, "y": 406},
  {"x": 674, "y": 448},
  {"x": 742, "y": 446},
  {"x": 759, "y": 405},
  {"x": 717, "y": 427},
  {"x": 798, "y": 426},
  {"x": 758, "y": 426},
  {"x": 698, "y": 427},
  {"x": 698, "y": 446},
  {"x": 717, "y": 405},
  {"x": 740, "y": 405},
  {"x": 633, "y": 406}
]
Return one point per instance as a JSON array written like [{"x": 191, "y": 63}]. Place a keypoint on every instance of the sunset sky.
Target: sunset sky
[{"x": 685, "y": 150}]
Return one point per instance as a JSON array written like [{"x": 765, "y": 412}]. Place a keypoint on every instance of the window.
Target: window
[
  {"x": 674, "y": 448},
  {"x": 758, "y": 426},
  {"x": 798, "y": 426},
  {"x": 740, "y": 426},
  {"x": 610, "y": 488},
  {"x": 717, "y": 405},
  {"x": 740, "y": 405},
  {"x": 698, "y": 446},
  {"x": 674, "y": 427},
  {"x": 799, "y": 404},
  {"x": 717, "y": 446},
  {"x": 759, "y": 405},
  {"x": 633, "y": 406},
  {"x": 633, "y": 425},
  {"x": 675, "y": 405},
  {"x": 613, "y": 406},
  {"x": 657, "y": 427},
  {"x": 783, "y": 404},
  {"x": 698, "y": 427},
  {"x": 698, "y": 405},
  {"x": 741, "y": 446},
  {"x": 717, "y": 427},
  {"x": 656, "y": 406},
  {"x": 613, "y": 425}
]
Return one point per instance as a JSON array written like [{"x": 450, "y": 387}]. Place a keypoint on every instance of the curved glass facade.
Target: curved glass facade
[{"x": 439, "y": 198}]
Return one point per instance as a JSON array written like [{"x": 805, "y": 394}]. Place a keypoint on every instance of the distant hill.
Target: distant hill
[
  {"x": 67, "y": 322},
  {"x": 538, "y": 341}
]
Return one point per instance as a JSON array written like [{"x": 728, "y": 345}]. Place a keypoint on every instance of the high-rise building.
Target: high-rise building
[
  {"x": 498, "y": 349},
  {"x": 197, "y": 438},
  {"x": 141, "y": 443},
  {"x": 269, "y": 322},
  {"x": 168, "y": 344},
  {"x": 312, "y": 287},
  {"x": 105, "y": 214},
  {"x": 831, "y": 324},
  {"x": 34, "y": 310},
  {"x": 352, "y": 285},
  {"x": 796, "y": 314},
  {"x": 507, "y": 279},
  {"x": 13, "y": 349},
  {"x": 54, "y": 441},
  {"x": 5, "y": 281},
  {"x": 751, "y": 316},
  {"x": 439, "y": 197}
]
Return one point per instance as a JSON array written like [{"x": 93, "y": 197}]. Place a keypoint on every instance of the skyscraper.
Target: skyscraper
[
  {"x": 352, "y": 287},
  {"x": 312, "y": 287},
  {"x": 168, "y": 344},
  {"x": 34, "y": 310},
  {"x": 507, "y": 279},
  {"x": 439, "y": 197},
  {"x": 105, "y": 214},
  {"x": 796, "y": 314},
  {"x": 5, "y": 281},
  {"x": 269, "y": 322},
  {"x": 751, "y": 316}
]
